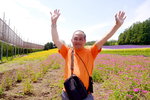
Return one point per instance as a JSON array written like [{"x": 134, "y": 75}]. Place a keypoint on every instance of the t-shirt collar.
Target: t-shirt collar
[{"x": 79, "y": 49}]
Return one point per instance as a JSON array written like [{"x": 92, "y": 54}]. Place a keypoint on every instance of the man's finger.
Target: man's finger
[
  {"x": 51, "y": 13},
  {"x": 124, "y": 18},
  {"x": 116, "y": 17}
]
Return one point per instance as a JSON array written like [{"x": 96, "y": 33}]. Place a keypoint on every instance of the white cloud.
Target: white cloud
[
  {"x": 30, "y": 27},
  {"x": 34, "y": 4},
  {"x": 97, "y": 31},
  {"x": 30, "y": 17},
  {"x": 95, "y": 28},
  {"x": 142, "y": 13}
]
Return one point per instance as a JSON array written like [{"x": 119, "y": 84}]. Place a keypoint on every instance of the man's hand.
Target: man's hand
[
  {"x": 54, "y": 16},
  {"x": 120, "y": 17}
]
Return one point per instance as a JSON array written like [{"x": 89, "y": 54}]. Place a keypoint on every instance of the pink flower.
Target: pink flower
[
  {"x": 144, "y": 91},
  {"x": 130, "y": 96},
  {"x": 136, "y": 90}
]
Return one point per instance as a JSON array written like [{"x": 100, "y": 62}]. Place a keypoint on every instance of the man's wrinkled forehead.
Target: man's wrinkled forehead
[{"x": 79, "y": 34}]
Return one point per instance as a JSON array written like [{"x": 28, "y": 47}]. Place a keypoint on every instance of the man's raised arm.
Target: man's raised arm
[
  {"x": 54, "y": 16},
  {"x": 120, "y": 17}
]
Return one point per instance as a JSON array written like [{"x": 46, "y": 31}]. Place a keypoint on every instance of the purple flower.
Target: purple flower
[
  {"x": 136, "y": 66},
  {"x": 144, "y": 91},
  {"x": 136, "y": 90},
  {"x": 126, "y": 46},
  {"x": 130, "y": 96}
]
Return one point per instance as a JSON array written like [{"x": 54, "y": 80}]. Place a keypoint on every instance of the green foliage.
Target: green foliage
[
  {"x": 8, "y": 83},
  {"x": 56, "y": 66},
  {"x": 19, "y": 76},
  {"x": 35, "y": 77},
  {"x": 118, "y": 95},
  {"x": 58, "y": 84},
  {"x": 138, "y": 34},
  {"x": 27, "y": 87},
  {"x": 97, "y": 76},
  {"x": 45, "y": 69},
  {"x": 111, "y": 42},
  {"x": 8, "y": 51},
  {"x": 49, "y": 45},
  {"x": 8, "y": 80},
  {"x": 1, "y": 90},
  {"x": 90, "y": 43}
]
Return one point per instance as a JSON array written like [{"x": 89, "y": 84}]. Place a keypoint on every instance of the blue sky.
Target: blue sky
[{"x": 31, "y": 18}]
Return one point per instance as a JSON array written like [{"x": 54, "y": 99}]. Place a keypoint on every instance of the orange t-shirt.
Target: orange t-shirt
[{"x": 88, "y": 56}]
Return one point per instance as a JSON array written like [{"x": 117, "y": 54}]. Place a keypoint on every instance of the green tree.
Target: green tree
[
  {"x": 138, "y": 33},
  {"x": 111, "y": 42},
  {"x": 48, "y": 45},
  {"x": 90, "y": 42}
]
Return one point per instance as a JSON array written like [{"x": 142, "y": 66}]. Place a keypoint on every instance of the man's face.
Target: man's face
[{"x": 78, "y": 40}]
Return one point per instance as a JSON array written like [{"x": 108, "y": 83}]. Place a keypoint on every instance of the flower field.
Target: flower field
[
  {"x": 121, "y": 75},
  {"x": 26, "y": 71},
  {"x": 126, "y": 77}
]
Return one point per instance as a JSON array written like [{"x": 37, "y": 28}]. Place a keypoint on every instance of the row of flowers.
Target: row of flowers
[{"x": 126, "y": 46}]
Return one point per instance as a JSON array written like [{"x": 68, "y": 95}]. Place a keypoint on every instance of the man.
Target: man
[{"x": 87, "y": 55}]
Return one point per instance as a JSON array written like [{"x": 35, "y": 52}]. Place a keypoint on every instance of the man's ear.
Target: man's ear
[
  {"x": 85, "y": 41},
  {"x": 72, "y": 40}
]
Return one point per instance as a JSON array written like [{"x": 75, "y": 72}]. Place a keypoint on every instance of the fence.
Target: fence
[
  {"x": 9, "y": 36},
  {"x": 11, "y": 44}
]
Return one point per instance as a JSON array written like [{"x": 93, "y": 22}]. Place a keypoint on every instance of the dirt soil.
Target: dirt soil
[{"x": 49, "y": 87}]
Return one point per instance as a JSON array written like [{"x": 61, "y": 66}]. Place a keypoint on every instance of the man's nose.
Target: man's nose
[{"x": 78, "y": 41}]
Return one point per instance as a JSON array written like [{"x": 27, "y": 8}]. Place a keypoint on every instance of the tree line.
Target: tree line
[
  {"x": 111, "y": 42},
  {"x": 137, "y": 34},
  {"x": 49, "y": 45}
]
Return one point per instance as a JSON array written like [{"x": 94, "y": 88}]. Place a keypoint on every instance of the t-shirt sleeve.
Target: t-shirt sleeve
[
  {"x": 63, "y": 51},
  {"x": 95, "y": 50}
]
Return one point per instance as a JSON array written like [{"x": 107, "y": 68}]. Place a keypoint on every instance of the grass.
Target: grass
[
  {"x": 97, "y": 77},
  {"x": 19, "y": 76},
  {"x": 56, "y": 66},
  {"x": 27, "y": 87},
  {"x": 6, "y": 59},
  {"x": 1, "y": 90}
]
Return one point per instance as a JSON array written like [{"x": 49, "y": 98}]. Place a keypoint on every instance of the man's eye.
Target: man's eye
[{"x": 81, "y": 39}]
